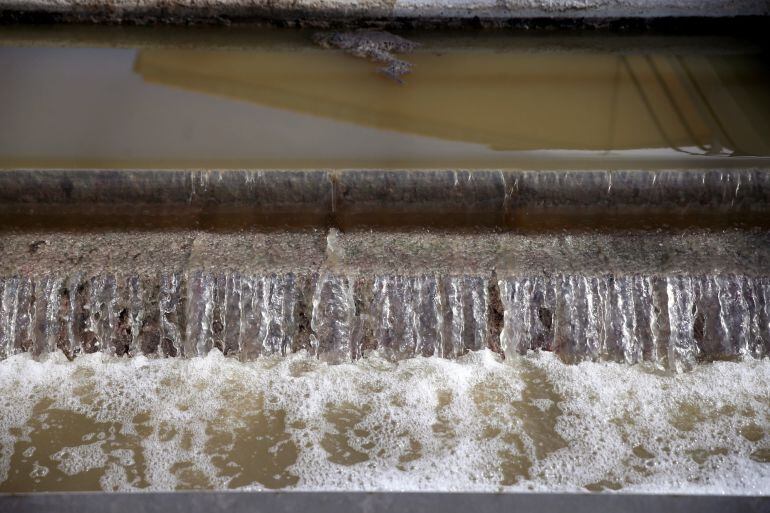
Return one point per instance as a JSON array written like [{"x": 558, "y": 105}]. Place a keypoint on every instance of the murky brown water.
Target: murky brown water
[
  {"x": 276, "y": 100},
  {"x": 530, "y": 423}
]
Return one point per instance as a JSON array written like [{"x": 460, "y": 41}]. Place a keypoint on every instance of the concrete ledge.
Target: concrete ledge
[
  {"x": 318, "y": 11},
  {"x": 347, "y": 199},
  {"x": 712, "y": 38},
  {"x": 335, "y": 502}
]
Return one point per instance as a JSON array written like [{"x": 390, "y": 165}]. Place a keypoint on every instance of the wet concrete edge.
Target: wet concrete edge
[
  {"x": 398, "y": 199},
  {"x": 373, "y": 502}
]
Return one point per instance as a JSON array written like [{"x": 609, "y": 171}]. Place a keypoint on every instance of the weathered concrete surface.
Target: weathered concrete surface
[
  {"x": 243, "y": 37},
  {"x": 320, "y": 10},
  {"x": 348, "y": 199},
  {"x": 368, "y": 253}
]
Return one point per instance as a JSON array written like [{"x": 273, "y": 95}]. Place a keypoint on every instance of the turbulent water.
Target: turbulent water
[
  {"x": 473, "y": 423},
  {"x": 673, "y": 321}
]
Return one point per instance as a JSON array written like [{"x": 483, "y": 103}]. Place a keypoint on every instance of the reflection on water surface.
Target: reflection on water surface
[{"x": 485, "y": 101}]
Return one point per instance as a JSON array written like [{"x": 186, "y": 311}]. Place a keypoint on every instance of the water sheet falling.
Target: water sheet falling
[{"x": 673, "y": 321}]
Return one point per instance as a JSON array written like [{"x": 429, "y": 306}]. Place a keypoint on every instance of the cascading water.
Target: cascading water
[
  {"x": 237, "y": 260},
  {"x": 670, "y": 320}
]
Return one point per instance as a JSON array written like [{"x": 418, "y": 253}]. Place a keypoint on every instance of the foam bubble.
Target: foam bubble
[{"x": 478, "y": 423}]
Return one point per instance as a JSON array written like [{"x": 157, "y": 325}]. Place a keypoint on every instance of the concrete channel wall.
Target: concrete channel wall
[
  {"x": 319, "y": 11},
  {"x": 348, "y": 199}
]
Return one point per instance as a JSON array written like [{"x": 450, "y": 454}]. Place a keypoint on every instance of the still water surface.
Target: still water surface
[{"x": 234, "y": 99}]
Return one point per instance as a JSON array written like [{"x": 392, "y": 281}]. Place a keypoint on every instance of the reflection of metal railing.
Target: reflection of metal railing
[
  {"x": 671, "y": 105},
  {"x": 533, "y": 105},
  {"x": 643, "y": 95},
  {"x": 715, "y": 124},
  {"x": 705, "y": 108},
  {"x": 674, "y": 105}
]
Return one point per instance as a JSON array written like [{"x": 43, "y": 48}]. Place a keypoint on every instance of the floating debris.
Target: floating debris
[{"x": 374, "y": 45}]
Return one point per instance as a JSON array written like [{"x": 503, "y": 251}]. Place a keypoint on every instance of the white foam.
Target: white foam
[
  {"x": 529, "y": 423},
  {"x": 81, "y": 458}
]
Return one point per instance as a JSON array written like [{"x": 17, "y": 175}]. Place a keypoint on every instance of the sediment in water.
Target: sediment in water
[{"x": 472, "y": 424}]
